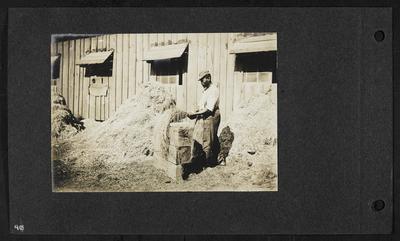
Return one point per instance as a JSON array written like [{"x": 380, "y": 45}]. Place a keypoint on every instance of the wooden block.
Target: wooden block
[
  {"x": 180, "y": 134},
  {"x": 181, "y": 141},
  {"x": 171, "y": 170},
  {"x": 179, "y": 154}
]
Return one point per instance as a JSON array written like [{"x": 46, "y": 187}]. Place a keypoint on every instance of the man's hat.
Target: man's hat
[{"x": 204, "y": 74}]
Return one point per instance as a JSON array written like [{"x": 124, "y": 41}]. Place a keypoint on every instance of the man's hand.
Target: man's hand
[
  {"x": 191, "y": 115},
  {"x": 197, "y": 113}
]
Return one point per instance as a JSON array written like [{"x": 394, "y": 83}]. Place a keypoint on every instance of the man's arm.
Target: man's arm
[{"x": 198, "y": 113}]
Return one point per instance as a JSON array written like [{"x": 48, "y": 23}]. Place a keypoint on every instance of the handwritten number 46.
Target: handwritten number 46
[{"x": 19, "y": 227}]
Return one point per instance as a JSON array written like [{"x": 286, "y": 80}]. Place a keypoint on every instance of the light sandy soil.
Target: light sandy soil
[{"x": 142, "y": 176}]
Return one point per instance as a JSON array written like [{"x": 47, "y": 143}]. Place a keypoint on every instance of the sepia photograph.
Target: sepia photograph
[{"x": 164, "y": 112}]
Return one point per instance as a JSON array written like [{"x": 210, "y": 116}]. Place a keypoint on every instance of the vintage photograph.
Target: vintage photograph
[{"x": 164, "y": 112}]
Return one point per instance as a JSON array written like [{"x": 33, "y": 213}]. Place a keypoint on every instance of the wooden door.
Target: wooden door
[{"x": 98, "y": 91}]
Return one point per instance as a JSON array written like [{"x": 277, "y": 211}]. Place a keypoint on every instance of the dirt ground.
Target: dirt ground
[
  {"x": 117, "y": 155},
  {"x": 139, "y": 176}
]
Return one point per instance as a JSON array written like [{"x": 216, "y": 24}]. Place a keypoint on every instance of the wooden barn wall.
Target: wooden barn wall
[{"x": 205, "y": 51}]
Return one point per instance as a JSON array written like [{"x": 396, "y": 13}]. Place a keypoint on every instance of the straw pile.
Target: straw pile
[
  {"x": 127, "y": 135},
  {"x": 63, "y": 123},
  {"x": 254, "y": 125}
]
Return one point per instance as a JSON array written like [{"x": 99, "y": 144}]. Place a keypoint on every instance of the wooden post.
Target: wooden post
[
  {"x": 230, "y": 79},
  {"x": 77, "y": 80},
  {"x": 132, "y": 65},
  {"x": 119, "y": 71},
  {"x": 125, "y": 67},
  {"x": 107, "y": 81},
  {"x": 223, "y": 75},
  {"x": 92, "y": 98},
  {"x": 192, "y": 72},
  {"x": 112, "y": 81},
  {"x": 60, "y": 81},
  {"x": 71, "y": 73},
  {"x": 86, "y": 83},
  {"x": 139, "y": 64},
  {"x": 146, "y": 66},
  {"x": 81, "y": 78},
  {"x": 202, "y": 63},
  {"x": 65, "y": 61},
  {"x": 216, "y": 63}
]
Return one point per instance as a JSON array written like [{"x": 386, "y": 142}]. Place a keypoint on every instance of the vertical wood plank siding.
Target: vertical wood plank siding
[
  {"x": 223, "y": 74},
  {"x": 192, "y": 83},
  {"x": 112, "y": 87},
  {"x": 86, "y": 97},
  {"x": 129, "y": 72},
  {"x": 92, "y": 99},
  {"x": 230, "y": 79}
]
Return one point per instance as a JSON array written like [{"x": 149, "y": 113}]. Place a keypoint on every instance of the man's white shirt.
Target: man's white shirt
[{"x": 209, "y": 98}]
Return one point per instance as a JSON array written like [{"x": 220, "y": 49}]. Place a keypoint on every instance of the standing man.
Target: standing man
[{"x": 205, "y": 144}]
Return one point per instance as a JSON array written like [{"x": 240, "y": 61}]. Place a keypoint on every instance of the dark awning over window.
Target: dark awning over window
[
  {"x": 95, "y": 58},
  {"x": 165, "y": 52},
  {"x": 263, "y": 43}
]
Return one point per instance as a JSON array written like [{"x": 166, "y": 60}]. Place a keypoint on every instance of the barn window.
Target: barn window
[
  {"x": 55, "y": 67},
  {"x": 97, "y": 63},
  {"x": 168, "y": 63},
  {"x": 169, "y": 71},
  {"x": 255, "y": 56},
  {"x": 257, "y": 67}
]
